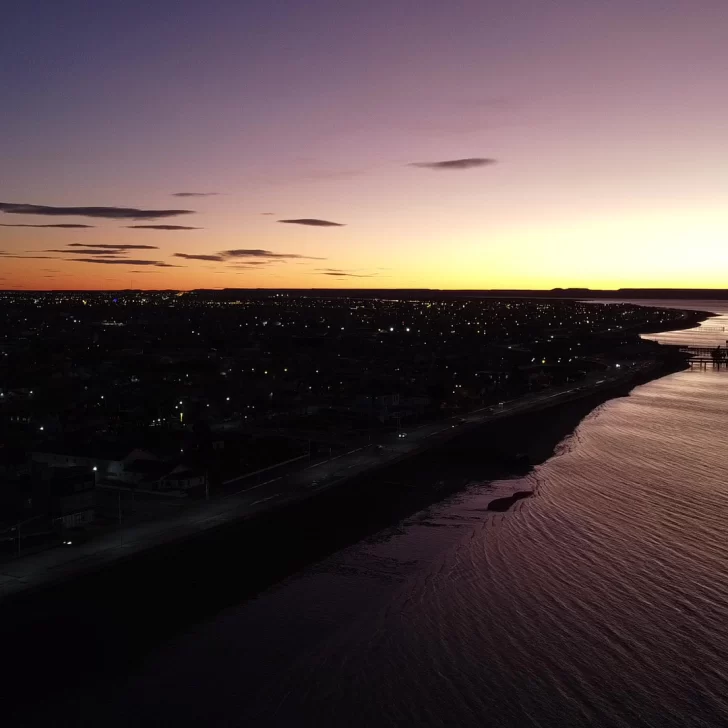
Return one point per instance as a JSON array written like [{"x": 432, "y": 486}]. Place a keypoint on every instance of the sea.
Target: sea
[{"x": 602, "y": 600}]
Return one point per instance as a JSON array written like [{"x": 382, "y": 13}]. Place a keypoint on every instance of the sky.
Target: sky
[{"x": 461, "y": 144}]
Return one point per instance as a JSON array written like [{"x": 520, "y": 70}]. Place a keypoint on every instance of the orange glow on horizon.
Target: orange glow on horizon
[{"x": 654, "y": 250}]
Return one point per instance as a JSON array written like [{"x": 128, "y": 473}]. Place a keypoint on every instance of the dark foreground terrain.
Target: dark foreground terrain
[{"x": 100, "y": 624}]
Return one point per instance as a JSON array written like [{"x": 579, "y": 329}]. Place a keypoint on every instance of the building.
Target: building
[{"x": 72, "y": 495}]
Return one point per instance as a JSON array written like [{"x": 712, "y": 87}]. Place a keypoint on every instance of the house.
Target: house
[
  {"x": 183, "y": 477},
  {"x": 105, "y": 459},
  {"x": 13, "y": 462},
  {"x": 415, "y": 405},
  {"x": 72, "y": 495},
  {"x": 17, "y": 502},
  {"x": 158, "y": 475},
  {"x": 383, "y": 406},
  {"x": 143, "y": 472}
]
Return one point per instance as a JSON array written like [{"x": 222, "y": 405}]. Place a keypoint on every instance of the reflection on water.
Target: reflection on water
[{"x": 600, "y": 601}]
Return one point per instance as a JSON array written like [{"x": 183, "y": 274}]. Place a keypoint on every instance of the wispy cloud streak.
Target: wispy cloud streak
[
  {"x": 455, "y": 164},
  {"x": 162, "y": 227},
  {"x": 194, "y": 194}
]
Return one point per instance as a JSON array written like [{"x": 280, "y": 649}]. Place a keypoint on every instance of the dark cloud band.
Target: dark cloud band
[
  {"x": 257, "y": 253},
  {"x": 343, "y": 274},
  {"x": 245, "y": 256},
  {"x": 112, "y": 246},
  {"x": 200, "y": 256},
  {"x": 124, "y": 261},
  {"x": 312, "y": 222},
  {"x": 29, "y": 257},
  {"x": 59, "y": 225},
  {"x": 87, "y": 251},
  {"x": 114, "y": 213}
]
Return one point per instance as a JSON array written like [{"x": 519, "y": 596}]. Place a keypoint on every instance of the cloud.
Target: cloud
[
  {"x": 455, "y": 164},
  {"x": 29, "y": 257},
  {"x": 162, "y": 227},
  {"x": 258, "y": 262},
  {"x": 112, "y": 246},
  {"x": 108, "y": 250},
  {"x": 267, "y": 213},
  {"x": 194, "y": 194},
  {"x": 86, "y": 251},
  {"x": 200, "y": 256},
  {"x": 313, "y": 222},
  {"x": 257, "y": 253},
  {"x": 343, "y": 274},
  {"x": 60, "y": 225},
  {"x": 244, "y": 257},
  {"x": 114, "y": 213},
  {"x": 255, "y": 265},
  {"x": 124, "y": 261}
]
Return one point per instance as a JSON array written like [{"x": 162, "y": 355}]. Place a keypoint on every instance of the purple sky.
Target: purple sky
[{"x": 607, "y": 121}]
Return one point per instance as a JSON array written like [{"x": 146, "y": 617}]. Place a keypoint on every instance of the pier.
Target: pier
[{"x": 702, "y": 356}]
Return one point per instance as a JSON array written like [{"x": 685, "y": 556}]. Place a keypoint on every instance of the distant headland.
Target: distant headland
[{"x": 415, "y": 293}]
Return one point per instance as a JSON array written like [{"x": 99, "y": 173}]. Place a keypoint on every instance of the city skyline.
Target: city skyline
[{"x": 420, "y": 145}]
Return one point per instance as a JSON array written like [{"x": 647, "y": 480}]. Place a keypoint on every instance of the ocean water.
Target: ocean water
[{"x": 600, "y": 601}]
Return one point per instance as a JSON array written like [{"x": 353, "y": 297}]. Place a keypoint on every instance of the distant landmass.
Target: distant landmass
[
  {"x": 574, "y": 293},
  {"x": 685, "y": 294}
]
